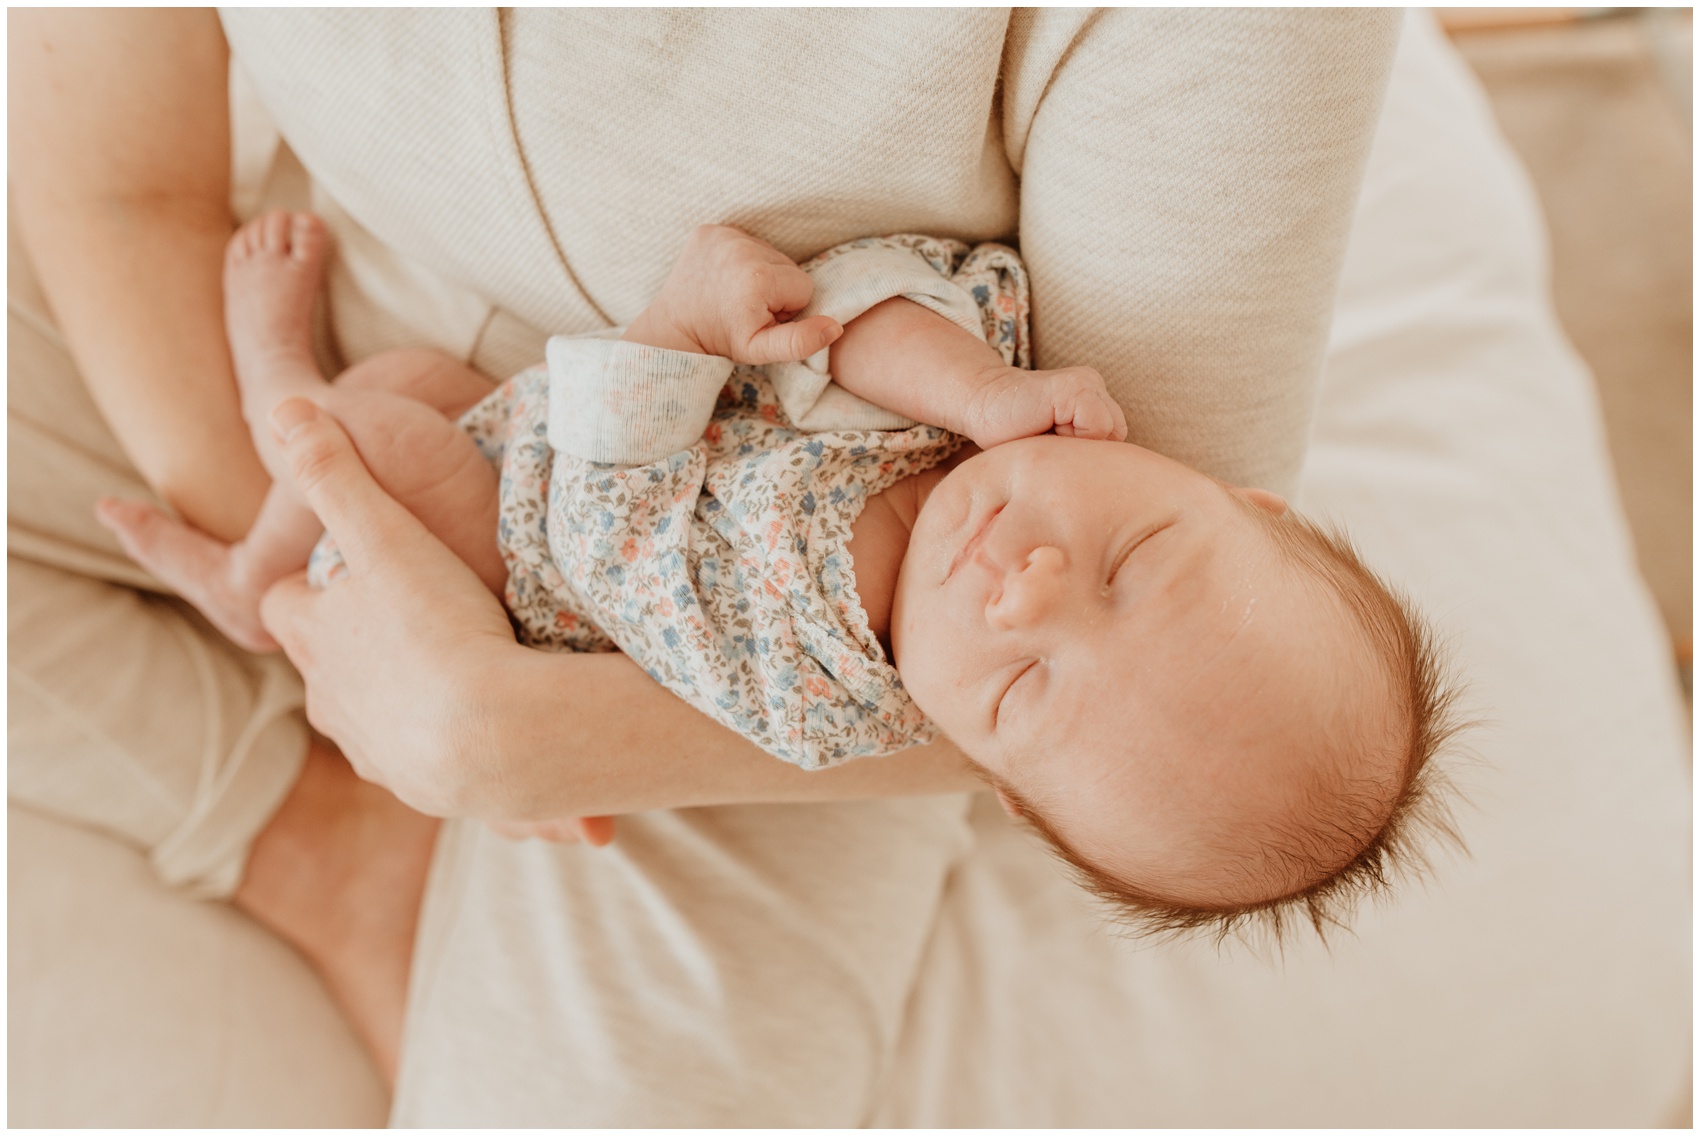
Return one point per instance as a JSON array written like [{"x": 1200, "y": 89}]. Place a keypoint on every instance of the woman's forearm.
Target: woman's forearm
[
  {"x": 594, "y": 734},
  {"x": 120, "y": 142},
  {"x": 135, "y": 288}
]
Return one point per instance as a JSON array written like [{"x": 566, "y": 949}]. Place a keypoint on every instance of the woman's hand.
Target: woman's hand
[
  {"x": 412, "y": 669},
  {"x": 597, "y": 832},
  {"x": 399, "y": 656}
]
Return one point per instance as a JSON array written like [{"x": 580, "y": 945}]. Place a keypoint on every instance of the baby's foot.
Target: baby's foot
[
  {"x": 211, "y": 575},
  {"x": 1071, "y": 401},
  {"x": 274, "y": 267}
]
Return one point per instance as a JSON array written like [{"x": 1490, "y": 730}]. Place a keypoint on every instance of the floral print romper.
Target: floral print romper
[{"x": 721, "y": 567}]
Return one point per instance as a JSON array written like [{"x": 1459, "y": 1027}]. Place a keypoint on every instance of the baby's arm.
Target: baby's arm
[
  {"x": 911, "y": 360},
  {"x": 734, "y": 295}
]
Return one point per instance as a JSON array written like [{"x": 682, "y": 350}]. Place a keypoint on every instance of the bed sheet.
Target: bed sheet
[{"x": 1542, "y": 980}]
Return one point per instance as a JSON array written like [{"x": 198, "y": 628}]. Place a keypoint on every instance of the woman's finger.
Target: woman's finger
[
  {"x": 296, "y": 615},
  {"x": 785, "y": 342},
  {"x": 357, "y": 513},
  {"x": 787, "y": 287},
  {"x": 519, "y": 830},
  {"x": 284, "y": 611},
  {"x": 287, "y": 612},
  {"x": 598, "y": 831}
]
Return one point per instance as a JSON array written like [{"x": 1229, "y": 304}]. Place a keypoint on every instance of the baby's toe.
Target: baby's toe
[
  {"x": 274, "y": 232},
  {"x": 306, "y": 238},
  {"x": 254, "y": 238},
  {"x": 238, "y": 249}
]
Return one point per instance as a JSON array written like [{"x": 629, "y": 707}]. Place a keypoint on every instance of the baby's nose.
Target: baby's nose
[{"x": 1030, "y": 590}]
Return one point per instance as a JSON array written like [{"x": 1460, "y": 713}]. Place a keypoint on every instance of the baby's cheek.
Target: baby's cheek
[{"x": 930, "y": 664}]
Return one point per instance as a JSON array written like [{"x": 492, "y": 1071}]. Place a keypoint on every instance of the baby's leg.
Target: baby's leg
[
  {"x": 425, "y": 375},
  {"x": 419, "y": 456},
  {"x": 427, "y": 463},
  {"x": 273, "y": 272},
  {"x": 224, "y": 582},
  {"x": 274, "y": 268},
  {"x": 392, "y": 404}
]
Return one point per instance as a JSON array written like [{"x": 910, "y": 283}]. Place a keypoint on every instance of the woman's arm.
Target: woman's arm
[
  {"x": 120, "y": 146},
  {"x": 1188, "y": 178},
  {"x": 412, "y": 669},
  {"x": 622, "y": 749}
]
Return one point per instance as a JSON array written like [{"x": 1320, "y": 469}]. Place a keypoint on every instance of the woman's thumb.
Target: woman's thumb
[
  {"x": 333, "y": 479},
  {"x": 308, "y": 437},
  {"x": 787, "y": 342},
  {"x": 283, "y": 608}
]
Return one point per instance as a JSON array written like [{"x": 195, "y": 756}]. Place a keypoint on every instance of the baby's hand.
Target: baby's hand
[
  {"x": 734, "y": 295},
  {"x": 1071, "y": 401}
]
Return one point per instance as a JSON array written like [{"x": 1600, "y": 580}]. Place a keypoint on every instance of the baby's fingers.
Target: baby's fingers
[
  {"x": 787, "y": 342},
  {"x": 1088, "y": 411},
  {"x": 1102, "y": 418},
  {"x": 1091, "y": 420}
]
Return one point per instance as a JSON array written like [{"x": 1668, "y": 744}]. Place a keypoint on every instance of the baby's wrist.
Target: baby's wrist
[{"x": 976, "y": 412}]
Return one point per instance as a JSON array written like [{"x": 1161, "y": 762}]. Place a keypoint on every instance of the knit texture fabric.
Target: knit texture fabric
[
  {"x": 626, "y": 403},
  {"x": 1180, "y": 181}
]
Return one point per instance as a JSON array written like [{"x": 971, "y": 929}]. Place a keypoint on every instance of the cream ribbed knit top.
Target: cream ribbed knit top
[{"x": 1180, "y": 182}]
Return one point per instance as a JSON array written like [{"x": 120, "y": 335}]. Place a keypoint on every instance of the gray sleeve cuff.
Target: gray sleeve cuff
[{"x": 625, "y": 403}]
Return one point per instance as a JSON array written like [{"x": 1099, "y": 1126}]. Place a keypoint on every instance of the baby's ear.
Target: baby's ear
[
  {"x": 1262, "y": 498},
  {"x": 1009, "y": 806}
]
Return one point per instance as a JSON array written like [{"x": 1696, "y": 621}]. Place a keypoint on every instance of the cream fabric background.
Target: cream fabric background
[
  {"x": 1183, "y": 205},
  {"x": 184, "y": 745},
  {"x": 1540, "y": 982}
]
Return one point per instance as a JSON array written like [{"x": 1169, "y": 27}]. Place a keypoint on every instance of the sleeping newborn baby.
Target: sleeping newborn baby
[{"x": 832, "y": 510}]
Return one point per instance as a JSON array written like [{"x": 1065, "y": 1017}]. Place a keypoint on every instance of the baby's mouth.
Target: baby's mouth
[{"x": 972, "y": 543}]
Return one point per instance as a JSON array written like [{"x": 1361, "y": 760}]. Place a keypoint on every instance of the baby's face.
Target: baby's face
[{"x": 1116, "y": 636}]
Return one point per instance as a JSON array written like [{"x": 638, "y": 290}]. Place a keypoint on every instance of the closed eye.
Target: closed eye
[
  {"x": 997, "y": 707},
  {"x": 1122, "y": 556}
]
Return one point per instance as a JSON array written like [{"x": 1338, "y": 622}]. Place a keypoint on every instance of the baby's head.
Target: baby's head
[{"x": 1208, "y": 706}]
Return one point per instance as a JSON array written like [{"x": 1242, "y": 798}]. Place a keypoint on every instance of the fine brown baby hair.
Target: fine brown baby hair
[{"x": 1421, "y": 811}]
